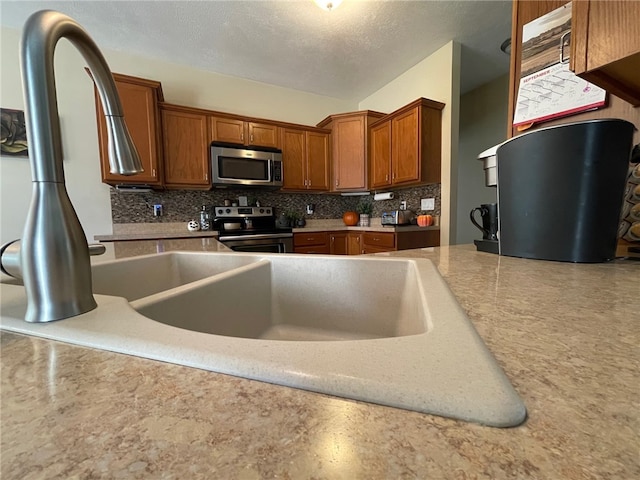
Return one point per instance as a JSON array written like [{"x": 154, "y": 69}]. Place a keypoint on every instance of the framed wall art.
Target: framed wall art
[{"x": 13, "y": 141}]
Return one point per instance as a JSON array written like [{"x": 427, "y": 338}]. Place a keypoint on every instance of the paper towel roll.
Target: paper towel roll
[{"x": 384, "y": 196}]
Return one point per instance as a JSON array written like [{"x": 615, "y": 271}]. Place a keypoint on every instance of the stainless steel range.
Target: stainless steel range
[{"x": 251, "y": 229}]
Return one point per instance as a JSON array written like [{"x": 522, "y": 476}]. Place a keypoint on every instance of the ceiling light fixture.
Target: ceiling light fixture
[{"x": 328, "y": 5}]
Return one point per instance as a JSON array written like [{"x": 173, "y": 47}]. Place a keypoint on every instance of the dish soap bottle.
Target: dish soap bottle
[{"x": 204, "y": 219}]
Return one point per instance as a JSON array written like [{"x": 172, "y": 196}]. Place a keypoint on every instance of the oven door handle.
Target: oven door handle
[{"x": 257, "y": 236}]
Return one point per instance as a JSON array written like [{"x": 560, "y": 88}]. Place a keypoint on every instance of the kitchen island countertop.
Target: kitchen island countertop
[{"x": 566, "y": 335}]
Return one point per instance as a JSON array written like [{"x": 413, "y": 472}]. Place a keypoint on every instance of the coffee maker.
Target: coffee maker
[
  {"x": 560, "y": 191},
  {"x": 488, "y": 211}
]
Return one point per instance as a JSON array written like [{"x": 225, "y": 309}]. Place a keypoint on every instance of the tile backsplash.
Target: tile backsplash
[{"x": 184, "y": 205}]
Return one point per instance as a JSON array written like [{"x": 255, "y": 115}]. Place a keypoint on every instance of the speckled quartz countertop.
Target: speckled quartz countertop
[
  {"x": 566, "y": 335},
  {"x": 154, "y": 231}
]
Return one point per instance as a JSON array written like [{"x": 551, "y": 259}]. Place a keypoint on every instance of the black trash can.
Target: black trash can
[{"x": 560, "y": 191}]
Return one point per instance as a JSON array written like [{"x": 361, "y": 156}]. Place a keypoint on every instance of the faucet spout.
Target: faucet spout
[{"x": 54, "y": 255}]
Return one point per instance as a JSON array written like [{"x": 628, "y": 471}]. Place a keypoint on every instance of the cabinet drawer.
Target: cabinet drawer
[
  {"x": 370, "y": 249},
  {"x": 376, "y": 239},
  {"x": 313, "y": 238},
  {"x": 312, "y": 249}
]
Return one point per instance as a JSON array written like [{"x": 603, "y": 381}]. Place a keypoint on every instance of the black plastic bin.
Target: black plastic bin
[{"x": 560, "y": 190}]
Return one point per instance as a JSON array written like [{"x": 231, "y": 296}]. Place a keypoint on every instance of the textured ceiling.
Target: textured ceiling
[{"x": 348, "y": 53}]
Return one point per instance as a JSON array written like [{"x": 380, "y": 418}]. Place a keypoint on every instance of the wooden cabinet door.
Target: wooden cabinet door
[
  {"x": 349, "y": 166},
  {"x": 186, "y": 149},
  {"x": 379, "y": 240},
  {"x": 317, "y": 149},
  {"x": 228, "y": 130},
  {"x": 293, "y": 159},
  {"x": 405, "y": 155},
  {"x": 380, "y": 155},
  {"x": 338, "y": 243},
  {"x": 140, "y": 105},
  {"x": 354, "y": 243},
  {"x": 263, "y": 135},
  {"x": 605, "y": 46},
  {"x": 313, "y": 242}
]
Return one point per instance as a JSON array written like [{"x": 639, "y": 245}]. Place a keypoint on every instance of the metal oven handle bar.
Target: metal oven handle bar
[{"x": 255, "y": 237}]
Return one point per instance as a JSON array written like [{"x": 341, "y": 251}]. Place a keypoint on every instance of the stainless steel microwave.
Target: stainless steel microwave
[{"x": 245, "y": 167}]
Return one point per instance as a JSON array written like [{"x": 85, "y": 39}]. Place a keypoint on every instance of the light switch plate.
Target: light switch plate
[{"x": 427, "y": 204}]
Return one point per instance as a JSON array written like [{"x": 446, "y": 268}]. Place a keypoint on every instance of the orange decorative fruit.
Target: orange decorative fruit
[
  {"x": 425, "y": 220},
  {"x": 350, "y": 218}
]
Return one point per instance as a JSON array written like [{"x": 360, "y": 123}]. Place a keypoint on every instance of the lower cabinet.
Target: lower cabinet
[
  {"x": 354, "y": 243},
  {"x": 338, "y": 243},
  {"x": 314, "y": 242},
  {"x": 362, "y": 242},
  {"x": 376, "y": 242}
]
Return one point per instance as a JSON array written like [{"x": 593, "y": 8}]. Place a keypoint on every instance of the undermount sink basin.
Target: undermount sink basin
[
  {"x": 285, "y": 299},
  {"x": 382, "y": 330},
  {"x": 139, "y": 277}
]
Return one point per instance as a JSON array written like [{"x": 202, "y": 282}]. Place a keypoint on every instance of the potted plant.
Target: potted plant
[
  {"x": 295, "y": 219},
  {"x": 365, "y": 209}
]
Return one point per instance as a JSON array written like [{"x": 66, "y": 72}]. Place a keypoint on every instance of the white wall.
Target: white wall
[
  {"x": 437, "y": 77},
  {"x": 181, "y": 85},
  {"x": 483, "y": 123}
]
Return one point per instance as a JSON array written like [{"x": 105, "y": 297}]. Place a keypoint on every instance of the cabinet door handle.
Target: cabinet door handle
[
  {"x": 153, "y": 172},
  {"x": 206, "y": 177},
  {"x": 337, "y": 183},
  {"x": 251, "y": 138},
  {"x": 242, "y": 136},
  {"x": 564, "y": 59}
]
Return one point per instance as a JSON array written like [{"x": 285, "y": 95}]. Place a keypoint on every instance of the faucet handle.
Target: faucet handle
[
  {"x": 97, "y": 249},
  {"x": 10, "y": 259}
]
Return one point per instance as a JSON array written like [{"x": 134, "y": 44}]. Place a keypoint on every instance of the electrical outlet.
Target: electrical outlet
[
  {"x": 403, "y": 205},
  {"x": 427, "y": 204},
  {"x": 157, "y": 210}
]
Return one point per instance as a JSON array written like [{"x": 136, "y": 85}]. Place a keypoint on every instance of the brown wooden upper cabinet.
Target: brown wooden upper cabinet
[
  {"x": 380, "y": 154},
  {"x": 139, "y": 98},
  {"x": 349, "y": 132},
  {"x": 605, "y": 45},
  {"x": 186, "y": 147},
  {"x": 305, "y": 158},
  {"x": 405, "y": 146},
  {"x": 242, "y": 132},
  {"x": 605, "y": 50}
]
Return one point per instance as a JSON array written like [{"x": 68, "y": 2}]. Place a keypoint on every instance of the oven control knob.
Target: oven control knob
[
  {"x": 220, "y": 211},
  {"x": 268, "y": 211},
  {"x": 262, "y": 210},
  {"x": 228, "y": 210}
]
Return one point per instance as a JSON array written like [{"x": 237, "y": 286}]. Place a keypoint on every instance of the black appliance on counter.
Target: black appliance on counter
[
  {"x": 560, "y": 191},
  {"x": 251, "y": 229}
]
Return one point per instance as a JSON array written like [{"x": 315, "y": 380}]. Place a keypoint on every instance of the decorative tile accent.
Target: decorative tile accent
[{"x": 184, "y": 205}]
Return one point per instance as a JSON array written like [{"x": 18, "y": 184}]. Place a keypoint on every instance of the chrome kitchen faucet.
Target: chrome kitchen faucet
[{"x": 53, "y": 256}]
